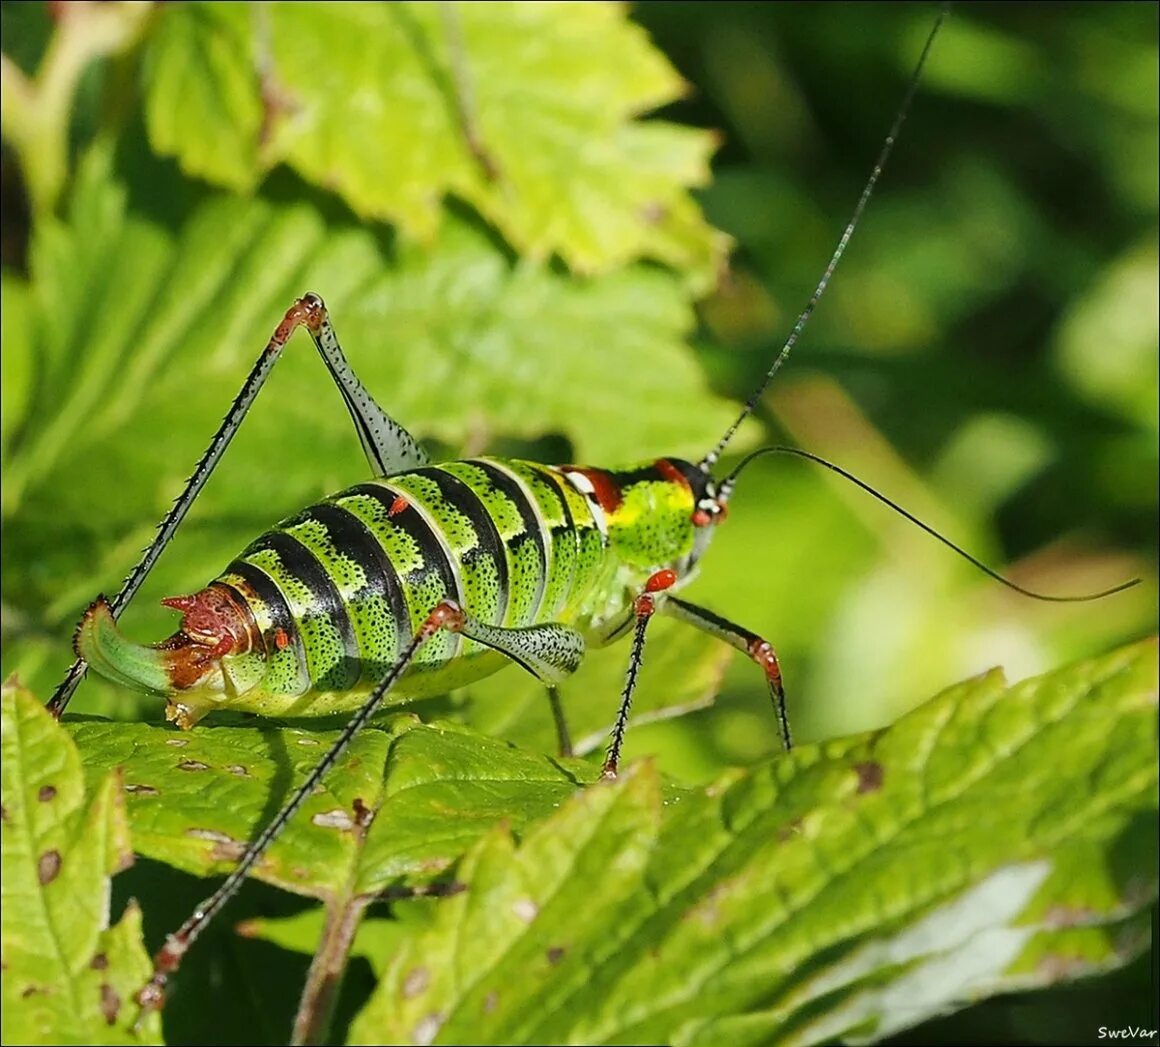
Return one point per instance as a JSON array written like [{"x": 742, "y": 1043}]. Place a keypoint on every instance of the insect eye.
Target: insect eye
[{"x": 708, "y": 511}]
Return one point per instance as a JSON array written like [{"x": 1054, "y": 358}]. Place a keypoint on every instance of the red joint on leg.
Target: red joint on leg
[
  {"x": 397, "y": 506},
  {"x": 761, "y": 651},
  {"x": 644, "y": 606},
  {"x": 152, "y": 996},
  {"x": 313, "y": 311},
  {"x": 447, "y": 615},
  {"x": 660, "y": 581}
]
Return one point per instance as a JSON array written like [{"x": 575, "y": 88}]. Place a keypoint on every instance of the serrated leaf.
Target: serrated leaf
[
  {"x": 68, "y": 976},
  {"x": 527, "y": 111},
  {"x": 520, "y": 937},
  {"x": 195, "y": 798},
  {"x": 843, "y": 892},
  {"x": 203, "y": 100}
]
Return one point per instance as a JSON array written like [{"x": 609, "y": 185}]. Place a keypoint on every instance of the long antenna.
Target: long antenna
[
  {"x": 711, "y": 458},
  {"x": 726, "y": 489}
]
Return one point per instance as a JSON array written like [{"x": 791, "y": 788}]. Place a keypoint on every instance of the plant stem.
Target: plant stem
[
  {"x": 316, "y": 1007},
  {"x": 36, "y": 113}
]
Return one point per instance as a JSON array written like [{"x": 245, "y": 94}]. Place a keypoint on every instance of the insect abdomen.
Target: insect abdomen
[{"x": 338, "y": 590}]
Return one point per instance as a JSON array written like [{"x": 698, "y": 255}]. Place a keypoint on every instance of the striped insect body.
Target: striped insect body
[{"x": 308, "y": 619}]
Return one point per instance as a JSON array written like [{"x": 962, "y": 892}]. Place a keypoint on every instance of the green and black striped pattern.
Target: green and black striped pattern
[{"x": 338, "y": 590}]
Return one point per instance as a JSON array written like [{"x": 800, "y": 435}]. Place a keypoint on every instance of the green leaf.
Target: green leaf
[
  {"x": 195, "y": 798},
  {"x": 844, "y": 892},
  {"x": 68, "y": 976},
  {"x": 523, "y": 922},
  {"x": 16, "y": 364},
  {"x": 526, "y": 111},
  {"x": 203, "y": 99}
]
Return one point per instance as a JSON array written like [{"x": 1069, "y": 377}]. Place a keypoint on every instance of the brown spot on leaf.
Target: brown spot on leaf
[
  {"x": 225, "y": 848},
  {"x": 46, "y": 793},
  {"x": 99, "y": 962},
  {"x": 192, "y": 765},
  {"x": 1137, "y": 891},
  {"x": 870, "y": 775},
  {"x": 790, "y": 829},
  {"x": 110, "y": 1003},
  {"x": 363, "y": 815},
  {"x": 1131, "y": 941},
  {"x": 556, "y": 954},
  {"x": 4, "y": 814},
  {"x": 653, "y": 213},
  {"x": 336, "y": 819},
  {"x": 239, "y": 770},
  {"x": 1059, "y": 916},
  {"x": 427, "y": 1029},
  {"x": 48, "y": 867},
  {"x": 1054, "y": 967},
  {"x": 418, "y": 978},
  {"x": 177, "y": 743},
  {"x": 525, "y": 909},
  {"x": 142, "y": 790},
  {"x": 34, "y": 990}
]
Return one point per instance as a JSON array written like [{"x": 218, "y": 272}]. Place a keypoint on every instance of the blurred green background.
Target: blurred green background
[{"x": 986, "y": 356}]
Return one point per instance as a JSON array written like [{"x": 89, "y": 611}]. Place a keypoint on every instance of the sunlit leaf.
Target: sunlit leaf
[
  {"x": 527, "y": 111},
  {"x": 69, "y": 977},
  {"x": 845, "y": 892}
]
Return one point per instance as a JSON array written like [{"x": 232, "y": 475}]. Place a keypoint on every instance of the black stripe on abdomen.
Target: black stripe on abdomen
[
  {"x": 332, "y": 651},
  {"x": 350, "y": 536}
]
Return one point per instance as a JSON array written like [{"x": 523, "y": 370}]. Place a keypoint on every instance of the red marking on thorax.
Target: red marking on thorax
[
  {"x": 670, "y": 472},
  {"x": 607, "y": 493}
]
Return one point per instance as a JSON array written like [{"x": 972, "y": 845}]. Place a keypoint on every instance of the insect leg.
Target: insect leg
[
  {"x": 750, "y": 644},
  {"x": 550, "y": 652},
  {"x": 643, "y": 609},
  {"x": 387, "y": 445},
  {"x": 563, "y": 736}
]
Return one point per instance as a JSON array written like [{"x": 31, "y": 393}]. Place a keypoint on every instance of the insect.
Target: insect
[{"x": 432, "y": 575}]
